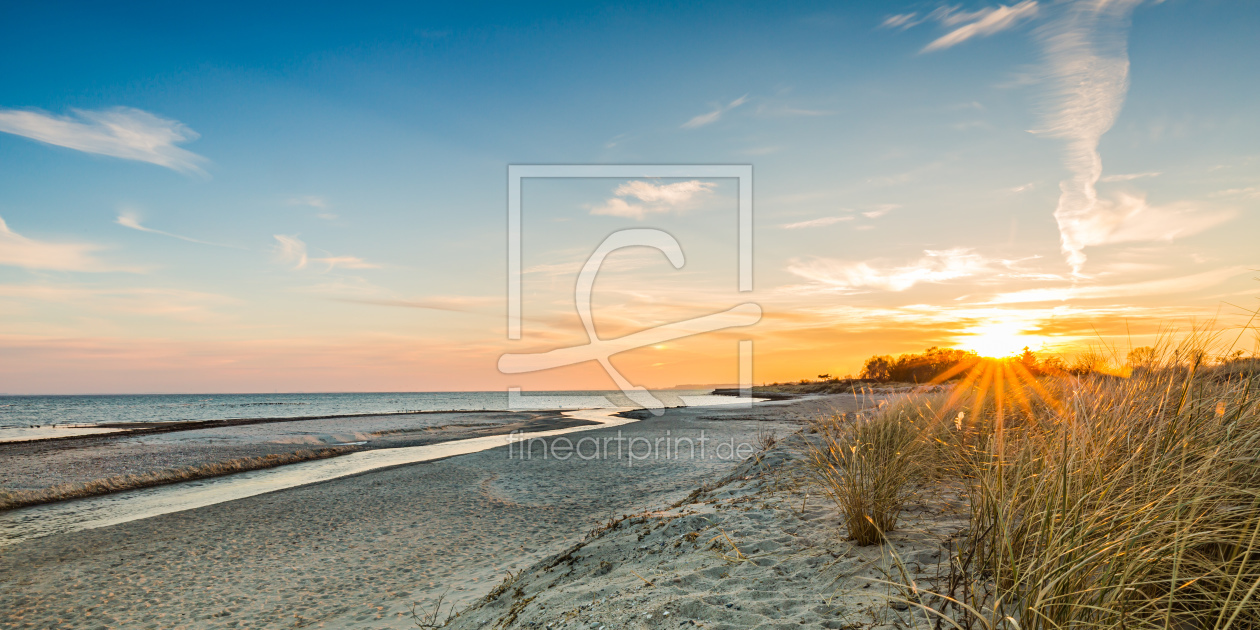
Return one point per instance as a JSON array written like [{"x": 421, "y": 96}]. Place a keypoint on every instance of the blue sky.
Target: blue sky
[{"x": 909, "y": 164}]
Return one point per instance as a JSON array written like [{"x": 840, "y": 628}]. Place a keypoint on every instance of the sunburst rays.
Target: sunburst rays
[{"x": 1004, "y": 384}]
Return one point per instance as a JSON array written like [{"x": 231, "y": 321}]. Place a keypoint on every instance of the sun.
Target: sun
[{"x": 999, "y": 340}]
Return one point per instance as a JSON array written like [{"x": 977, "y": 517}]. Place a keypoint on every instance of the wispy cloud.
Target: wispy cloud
[
  {"x": 1250, "y": 192},
  {"x": 902, "y": 21},
  {"x": 654, "y": 198},
  {"x": 1127, "y": 218},
  {"x": 617, "y": 140},
  {"x": 121, "y": 132},
  {"x": 781, "y": 111},
  {"x": 715, "y": 115},
  {"x": 1088, "y": 63},
  {"x": 1127, "y": 177},
  {"x": 965, "y": 25},
  {"x": 291, "y": 251},
  {"x": 314, "y": 201},
  {"x": 934, "y": 266},
  {"x": 1164, "y": 286},
  {"x": 132, "y": 220},
  {"x": 346, "y": 262},
  {"x": 815, "y": 223},
  {"x": 880, "y": 210},
  {"x": 980, "y": 23},
  {"x": 317, "y": 202},
  {"x": 19, "y": 251}
]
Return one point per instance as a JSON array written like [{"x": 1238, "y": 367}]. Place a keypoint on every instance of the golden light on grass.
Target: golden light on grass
[{"x": 1096, "y": 500}]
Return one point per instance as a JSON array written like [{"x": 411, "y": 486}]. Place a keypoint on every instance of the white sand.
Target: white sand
[{"x": 751, "y": 552}]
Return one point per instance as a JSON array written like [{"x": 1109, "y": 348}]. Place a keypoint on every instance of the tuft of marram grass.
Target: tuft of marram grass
[
  {"x": 765, "y": 440},
  {"x": 867, "y": 466},
  {"x": 11, "y": 499}
]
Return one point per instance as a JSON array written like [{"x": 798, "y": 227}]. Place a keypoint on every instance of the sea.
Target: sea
[{"x": 28, "y": 411}]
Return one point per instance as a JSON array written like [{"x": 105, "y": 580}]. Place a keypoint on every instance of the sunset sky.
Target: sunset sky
[{"x": 250, "y": 199}]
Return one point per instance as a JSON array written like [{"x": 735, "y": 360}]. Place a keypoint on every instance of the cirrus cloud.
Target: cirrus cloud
[
  {"x": 715, "y": 115},
  {"x": 965, "y": 25},
  {"x": 980, "y": 23},
  {"x": 1128, "y": 218},
  {"x": 1162, "y": 286},
  {"x": 655, "y": 198},
  {"x": 800, "y": 225},
  {"x": 121, "y": 132},
  {"x": 132, "y": 220},
  {"x": 19, "y": 251},
  {"x": 291, "y": 251},
  {"x": 850, "y": 277}
]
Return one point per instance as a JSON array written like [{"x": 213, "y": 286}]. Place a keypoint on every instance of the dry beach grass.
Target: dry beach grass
[{"x": 1097, "y": 501}]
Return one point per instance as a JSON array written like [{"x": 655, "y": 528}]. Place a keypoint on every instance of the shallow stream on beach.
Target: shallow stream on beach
[{"x": 24, "y": 524}]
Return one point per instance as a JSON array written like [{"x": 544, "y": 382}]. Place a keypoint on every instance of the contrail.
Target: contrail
[
  {"x": 131, "y": 220},
  {"x": 1088, "y": 64}
]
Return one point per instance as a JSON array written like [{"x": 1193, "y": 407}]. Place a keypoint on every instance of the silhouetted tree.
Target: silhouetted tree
[
  {"x": 917, "y": 368},
  {"x": 878, "y": 368}
]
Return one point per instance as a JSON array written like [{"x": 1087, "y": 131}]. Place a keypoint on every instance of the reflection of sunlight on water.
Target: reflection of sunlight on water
[{"x": 70, "y": 516}]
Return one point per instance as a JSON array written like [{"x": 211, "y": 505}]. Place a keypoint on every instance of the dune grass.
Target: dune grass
[
  {"x": 1097, "y": 501},
  {"x": 867, "y": 467},
  {"x": 10, "y": 499}
]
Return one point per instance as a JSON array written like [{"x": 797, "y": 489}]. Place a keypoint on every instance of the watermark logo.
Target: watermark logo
[
  {"x": 631, "y": 450},
  {"x": 601, "y": 350}
]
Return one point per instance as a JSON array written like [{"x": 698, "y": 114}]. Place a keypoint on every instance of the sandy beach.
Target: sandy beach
[
  {"x": 360, "y": 551},
  {"x": 757, "y": 548}
]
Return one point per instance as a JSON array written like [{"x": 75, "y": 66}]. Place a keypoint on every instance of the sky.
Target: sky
[{"x": 236, "y": 198}]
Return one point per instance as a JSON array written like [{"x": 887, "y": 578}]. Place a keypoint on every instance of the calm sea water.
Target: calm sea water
[{"x": 24, "y": 411}]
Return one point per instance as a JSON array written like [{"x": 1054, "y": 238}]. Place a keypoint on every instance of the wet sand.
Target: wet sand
[
  {"x": 112, "y": 508},
  {"x": 29, "y": 434},
  {"x": 359, "y": 551},
  {"x": 35, "y": 465}
]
